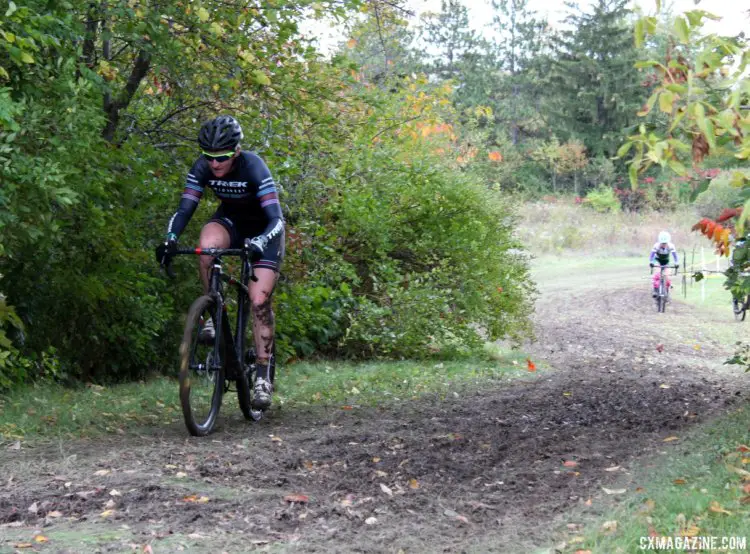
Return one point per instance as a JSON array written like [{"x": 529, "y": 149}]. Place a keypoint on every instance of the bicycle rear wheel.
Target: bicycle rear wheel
[{"x": 202, "y": 369}]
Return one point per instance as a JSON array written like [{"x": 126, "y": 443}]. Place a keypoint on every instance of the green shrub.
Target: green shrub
[
  {"x": 719, "y": 195},
  {"x": 603, "y": 199}
]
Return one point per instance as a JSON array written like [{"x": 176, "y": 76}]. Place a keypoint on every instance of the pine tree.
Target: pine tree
[{"x": 591, "y": 76}]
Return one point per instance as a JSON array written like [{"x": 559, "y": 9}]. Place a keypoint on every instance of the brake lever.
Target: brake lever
[{"x": 168, "y": 269}]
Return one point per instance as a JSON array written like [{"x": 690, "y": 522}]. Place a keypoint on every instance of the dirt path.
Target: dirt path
[{"x": 480, "y": 474}]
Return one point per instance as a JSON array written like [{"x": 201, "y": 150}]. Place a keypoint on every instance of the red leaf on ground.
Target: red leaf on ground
[
  {"x": 660, "y": 347},
  {"x": 570, "y": 463},
  {"x": 300, "y": 498},
  {"x": 531, "y": 365}
]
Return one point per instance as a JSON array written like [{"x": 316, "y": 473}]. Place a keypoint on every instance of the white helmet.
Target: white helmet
[{"x": 664, "y": 236}]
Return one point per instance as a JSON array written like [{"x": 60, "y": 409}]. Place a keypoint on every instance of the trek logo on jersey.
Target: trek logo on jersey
[{"x": 228, "y": 187}]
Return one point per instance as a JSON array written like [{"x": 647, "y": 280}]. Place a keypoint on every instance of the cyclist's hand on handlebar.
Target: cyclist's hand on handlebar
[
  {"x": 256, "y": 245},
  {"x": 165, "y": 251},
  {"x": 651, "y": 266}
]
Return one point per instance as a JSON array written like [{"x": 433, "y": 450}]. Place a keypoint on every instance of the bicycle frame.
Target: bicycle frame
[
  {"x": 663, "y": 292},
  {"x": 235, "y": 344}
]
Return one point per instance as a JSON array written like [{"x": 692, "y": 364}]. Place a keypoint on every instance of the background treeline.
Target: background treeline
[{"x": 399, "y": 158}]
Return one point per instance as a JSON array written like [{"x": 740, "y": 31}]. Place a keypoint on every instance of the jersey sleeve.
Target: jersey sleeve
[
  {"x": 191, "y": 196},
  {"x": 268, "y": 196}
]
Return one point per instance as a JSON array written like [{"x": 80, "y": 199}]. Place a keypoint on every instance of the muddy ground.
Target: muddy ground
[{"x": 482, "y": 472}]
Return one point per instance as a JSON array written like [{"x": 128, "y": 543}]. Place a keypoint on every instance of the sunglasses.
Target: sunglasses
[{"x": 218, "y": 157}]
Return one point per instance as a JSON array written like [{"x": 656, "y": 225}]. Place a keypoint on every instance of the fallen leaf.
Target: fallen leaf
[
  {"x": 660, "y": 347},
  {"x": 716, "y": 508},
  {"x": 347, "y": 407},
  {"x": 386, "y": 490},
  {"x": 570, "y": 463},
  {"x": 663, "y": 386},
  {"x": 609, "y": 526},
  {"x": 671, "y": 439},
  {"x": 647, "y": 506},
  {"x": 615, "y": 491},
  {"x": 414, "y": 484},
  {"x": 180, "y": 474},
  {"x": 691, "y": 531},
  {"x": 195, "y": 498},
  {"x": 16, "y": 446},
  {"x": 34, "y": 508},
  {"x": 679, "y": 481},
  {"x": 743, "y": 448},
  {"x": 741, "y": 472},
  {"x": 450, "y": 513},
  {"x": 23, "y": 545},
  {"x": 102, "y": 472},
  {"x": 276, "y": 439},
  {"x": 613, "y": 468},
  {"x": 107, "y": 513},
  {"x": 746, "y": 488},
  {"x": 588, "y": 502},
  {"x": 114, "y": 492},
  {"x": 380, "y": 473},
  {"x": 371, "y": 521},
  {"x": 530, "y": 365},
  {"x": 375, "y": 460},
  {"x": 54, "y": 514},
  {"x": 41, "y": 538},
  {"x": 147, "y": 549},
  {"x": 745, "y": 499},
  {"x": 298, "y": 498},
  {"x": 696, "y": 347},
  {"x": 110, "y": 504}
]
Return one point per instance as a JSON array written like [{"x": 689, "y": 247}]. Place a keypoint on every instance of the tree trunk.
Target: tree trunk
[{"x": 113, "y": 107}]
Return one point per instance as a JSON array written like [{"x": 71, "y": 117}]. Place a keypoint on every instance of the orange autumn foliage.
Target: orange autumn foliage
[{"x": 717, "y": 233}]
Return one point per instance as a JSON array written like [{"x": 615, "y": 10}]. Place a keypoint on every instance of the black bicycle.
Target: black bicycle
[
  {"x": 662, "y": 293},
  {"x": 209, "y": 366},
  {"x": 740, "y": 307}
]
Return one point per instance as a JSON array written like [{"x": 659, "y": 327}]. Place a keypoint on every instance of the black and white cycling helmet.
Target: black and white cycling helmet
[{"x": 221, "y": 133}]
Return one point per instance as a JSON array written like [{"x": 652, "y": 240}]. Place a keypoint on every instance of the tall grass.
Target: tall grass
[{"x": 562, "y": 226}]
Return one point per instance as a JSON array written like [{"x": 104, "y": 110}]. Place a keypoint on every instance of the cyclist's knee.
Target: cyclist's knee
[{"x": 214, "y": 235}]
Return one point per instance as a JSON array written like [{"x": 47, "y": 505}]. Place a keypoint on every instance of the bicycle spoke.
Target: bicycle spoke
[{"x": 201, "y": 371}]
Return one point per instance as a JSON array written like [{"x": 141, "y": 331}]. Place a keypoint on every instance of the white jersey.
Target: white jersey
[{"x": 662, "y": 252}]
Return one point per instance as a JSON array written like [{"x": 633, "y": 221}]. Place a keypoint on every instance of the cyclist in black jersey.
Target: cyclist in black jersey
[{"x": 249, "y": 214}]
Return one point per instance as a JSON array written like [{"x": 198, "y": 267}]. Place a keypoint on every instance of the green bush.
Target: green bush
[
  {"x": 719, "y": 195},
  {"x": 603, "y": 199}
]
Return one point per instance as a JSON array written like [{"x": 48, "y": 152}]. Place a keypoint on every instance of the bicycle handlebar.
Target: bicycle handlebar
[
  {"x": 664, "y": 267},
  {"x": 213, "y": 252}
]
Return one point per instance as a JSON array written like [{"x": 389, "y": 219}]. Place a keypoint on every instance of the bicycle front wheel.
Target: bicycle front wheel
[
  {"x": 202, "y": 368},
  {"x": 739, "y": 310}
]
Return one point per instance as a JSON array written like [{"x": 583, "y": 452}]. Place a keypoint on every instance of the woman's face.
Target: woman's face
[{"x": 219, "y": 163}]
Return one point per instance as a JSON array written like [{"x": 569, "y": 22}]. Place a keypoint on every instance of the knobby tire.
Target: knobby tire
[{"x": 193, "y": 351}]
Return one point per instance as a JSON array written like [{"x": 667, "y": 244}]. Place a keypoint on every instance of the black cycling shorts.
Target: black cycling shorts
[{"x": 240, "y": 229}]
